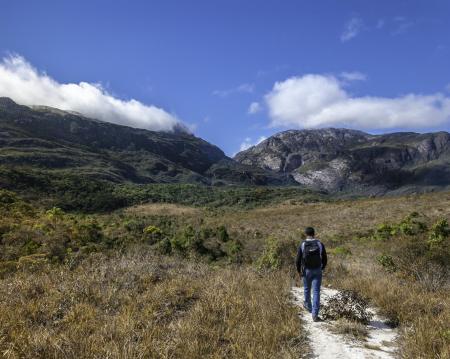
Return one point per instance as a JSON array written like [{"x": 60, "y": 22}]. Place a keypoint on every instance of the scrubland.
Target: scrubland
[{"x": 172, "y": 281}]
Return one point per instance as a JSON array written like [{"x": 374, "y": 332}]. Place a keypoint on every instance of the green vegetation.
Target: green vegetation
[
  {"x": 277, "y": 253},
  {"x": 60, "y": 237},
  {"x": 215, "y": 197},
  {"x": 408, "y": 226},
  {"x": 72, "y": 192}
]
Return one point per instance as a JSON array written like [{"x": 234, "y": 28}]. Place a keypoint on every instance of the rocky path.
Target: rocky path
[{"x": 379, "y": 344}]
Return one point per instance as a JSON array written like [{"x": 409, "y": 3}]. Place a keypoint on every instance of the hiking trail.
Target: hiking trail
[{"x": 325, "y": 344}]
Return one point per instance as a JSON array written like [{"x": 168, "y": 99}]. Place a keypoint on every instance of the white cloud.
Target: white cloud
[
  {"x": 380, "y": 23},
  {"x": 254, "y": 107},
  {"x": 23, "y": 83},
  {"x": 242, "y": 88},
  {"x": 249, "y": 143},
  {"x": 313, "y": 101},
  {"x": 402, "y": 25},
  {"x": 352, "y": 29},
  {"x": 353, "y": 76}
]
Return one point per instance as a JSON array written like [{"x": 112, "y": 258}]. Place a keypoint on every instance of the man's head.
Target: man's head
[{"x": 309, "y": 231}]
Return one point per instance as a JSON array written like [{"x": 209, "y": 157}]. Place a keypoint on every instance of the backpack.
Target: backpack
[{"x": 312, "y": 254}]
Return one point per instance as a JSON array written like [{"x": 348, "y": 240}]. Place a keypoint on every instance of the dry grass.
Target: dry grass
[
  {"x": 166, "y": 209},
  {"x": 141, "y": 306},
  {"x": 423, "y": 316},
  {"x": 350, "y": 328},
  {"x": 334, "y": 218}
]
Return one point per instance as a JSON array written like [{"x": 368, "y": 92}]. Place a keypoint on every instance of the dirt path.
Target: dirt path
[{"x": 380, "y": 342}]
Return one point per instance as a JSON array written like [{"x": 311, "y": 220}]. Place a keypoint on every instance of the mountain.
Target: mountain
[
  {"x": 342, "y": 160},
  {"x": 60, "y": 142}
]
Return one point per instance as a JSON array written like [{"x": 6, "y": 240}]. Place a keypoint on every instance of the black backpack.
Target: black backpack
[{"x": 311, "y": 254}]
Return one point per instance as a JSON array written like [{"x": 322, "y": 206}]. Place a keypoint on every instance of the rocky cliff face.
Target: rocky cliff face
[
  {"x": 54, "y": 140},
  {"x": 353, "y": 161}
]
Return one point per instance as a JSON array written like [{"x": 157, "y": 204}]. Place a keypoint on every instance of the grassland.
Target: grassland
[{"x": 165, "y": 280}]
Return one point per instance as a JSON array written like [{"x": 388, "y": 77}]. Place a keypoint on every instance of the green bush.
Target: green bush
[
  {"x": 384, "y": 232},
  {"x": 233, "y": 249},
  {"x": 152, "y": 234},
  {"x": 88, "y": 231},
  {"x": 223, "y": 234},
  {"x": 411, "y": 225},
  {"x": 439, "y": 232},
  {"x": 188, "y": 240},
  {"x": 439, "y": 243},
  {"x": 271, "y": 256},
  {"x": 387, "y": 262}
]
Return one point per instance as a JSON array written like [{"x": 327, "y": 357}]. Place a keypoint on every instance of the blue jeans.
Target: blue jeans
[{"x": 312, "y": 278}]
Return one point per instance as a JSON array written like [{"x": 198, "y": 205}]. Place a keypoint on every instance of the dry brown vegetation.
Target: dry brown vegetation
[
  {"x": 167, "y": 209},
  {"x": 337, "y": 218},
  {"x": 352, "y": 329},
  {"x": 97, "y": 286},
  {"x": 416, "y": 297},
  {"x": 137, "y": 305}
]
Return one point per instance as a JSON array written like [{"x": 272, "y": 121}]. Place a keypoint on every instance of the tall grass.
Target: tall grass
[
  {"x": 137, "y": 305},
  {"x": 423, "y": 316}
]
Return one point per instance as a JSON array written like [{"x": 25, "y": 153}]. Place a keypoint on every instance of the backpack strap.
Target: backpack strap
[{"x": 320, "y": 248}]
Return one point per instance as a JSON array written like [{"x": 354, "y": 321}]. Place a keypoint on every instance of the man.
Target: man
[{"x": 311, "y": 261}]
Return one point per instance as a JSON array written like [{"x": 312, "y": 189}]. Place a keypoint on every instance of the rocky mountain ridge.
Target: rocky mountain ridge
[{"x": 342, "y": 160}]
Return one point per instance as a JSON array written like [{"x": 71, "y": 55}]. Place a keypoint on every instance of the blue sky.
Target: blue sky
[{"x": 376, "y": 65}]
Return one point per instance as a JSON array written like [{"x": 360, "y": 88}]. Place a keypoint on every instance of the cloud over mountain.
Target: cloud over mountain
[
  {"x": 23, "y": 83},
  {"x": 312, "y": 101}
]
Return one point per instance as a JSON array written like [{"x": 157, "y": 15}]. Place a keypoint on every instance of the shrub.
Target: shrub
[
  {"x": 152, "y": 234},
  {"x": 383, "y": 232},
  {"x": 439, "y": 243},
  {"x": 349, "y": 305},
  {"x": 439, "y": 232},
  {"x": 223, "y": 234},
  {"x": 271, "y": 256},
  {"x": 132, "y": 225},
  {"x": 410, "y": 225},
  {"x": 164, "y": 246},
  {"x": 187, "y": 241},
  {"x": 55, "y": 213},
  {"x": 88, "y": 231},
  {"x": 233, "y": 249},
  {"x": 387, "y": 262}
]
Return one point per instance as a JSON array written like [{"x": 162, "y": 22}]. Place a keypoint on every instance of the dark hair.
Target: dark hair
[{"x": 309, "y": 231}]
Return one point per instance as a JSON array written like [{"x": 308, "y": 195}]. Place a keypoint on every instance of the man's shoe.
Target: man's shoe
[
  {"x": 306, "y": 308},
  {"x": 316, "y": 318}
]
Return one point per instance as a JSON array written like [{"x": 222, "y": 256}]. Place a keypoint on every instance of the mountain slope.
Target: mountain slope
[
  {"x": 65, "y": 142},
  {"x": 353, "y": 161}
]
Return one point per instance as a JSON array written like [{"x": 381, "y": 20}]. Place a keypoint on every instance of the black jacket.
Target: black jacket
[{"x": 299, "y": 259}]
